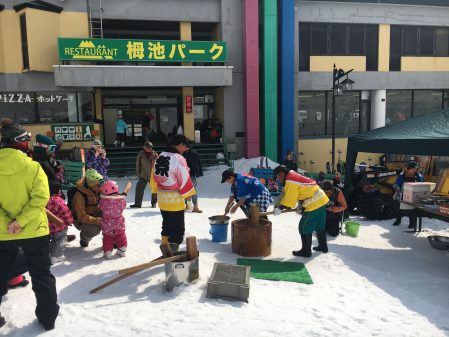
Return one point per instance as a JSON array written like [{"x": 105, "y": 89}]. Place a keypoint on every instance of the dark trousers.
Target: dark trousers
[
  {"x": 37, "y": 256},
  {"x": 410, "y": 213},
  {"x": 173, "y": 226},
  {"x": 140, "y": 190},
  {"x": 333, "y": 223}
]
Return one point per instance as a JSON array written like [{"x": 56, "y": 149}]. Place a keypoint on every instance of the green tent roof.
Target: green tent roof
[
  {"x": 426, "y": 135},
  {"x": 423, "y": 135}
]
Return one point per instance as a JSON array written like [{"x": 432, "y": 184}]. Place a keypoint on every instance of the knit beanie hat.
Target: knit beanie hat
[
  {"x": 96, "y": 142},
  {"x": 93, "y": 177},
  {"x": 10, "y": 130},
  {"x": 44, "y": 141}
]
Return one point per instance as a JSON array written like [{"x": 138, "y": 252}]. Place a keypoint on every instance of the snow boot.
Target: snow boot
[
  {"x": 107, "y": 255},
  {"x": 121, "y": 251},
  {"x": 122, "y": 144},
  {"x": 306, "y": 250},
  {"x": 2, "y": 321},
  {"x": 397, "y": 222},
  {"x": 71, "y": 237},
  {"x": 116, "y": 143},
  {"x": 196, "y": 209},
  {"x": 322, "y": 242}
]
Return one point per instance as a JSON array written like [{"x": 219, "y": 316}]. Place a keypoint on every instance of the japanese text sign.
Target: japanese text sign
[
  {"x": 141, "y": 50},
  {"x": 188, "y": 104}
]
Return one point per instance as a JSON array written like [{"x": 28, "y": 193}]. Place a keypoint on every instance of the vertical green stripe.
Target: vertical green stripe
[{"x": 270, "y": 79}]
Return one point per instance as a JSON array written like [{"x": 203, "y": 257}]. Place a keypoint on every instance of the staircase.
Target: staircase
[{"x": 123, "y": 159}]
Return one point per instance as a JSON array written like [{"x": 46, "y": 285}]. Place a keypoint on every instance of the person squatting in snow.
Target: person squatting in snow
[
  {"x": 246, "y": 190},
  {"x": 112, "y": 205},
  {"x": 58, "y": 234},
  {"x": 314, "y": 201},
  {"x": 174, "y": 185}
]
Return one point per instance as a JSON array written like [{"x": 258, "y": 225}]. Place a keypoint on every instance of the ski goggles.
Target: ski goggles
[
  {"x": 26, "y": 136},
  {"x": 50, "y": 148}
]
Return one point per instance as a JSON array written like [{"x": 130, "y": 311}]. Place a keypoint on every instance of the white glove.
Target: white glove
[
  {"x": 277, "y": 211},
  {"x": 189, "y": 207}
]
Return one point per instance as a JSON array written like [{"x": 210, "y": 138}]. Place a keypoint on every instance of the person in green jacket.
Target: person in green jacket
[{"x": 23, "y": 219}]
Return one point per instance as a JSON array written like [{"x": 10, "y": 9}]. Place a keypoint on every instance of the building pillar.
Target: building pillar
[
  {"x": 378, "y": 108},
  {"x": 270, "y": 82},
  {"x": 287, "y": 78},
  {"x": 251, "y": 77},
  {"x": 188, "y": 114}
]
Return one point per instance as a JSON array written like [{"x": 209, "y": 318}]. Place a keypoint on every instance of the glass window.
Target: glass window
[
  {"x": 24, "y": 41},
  {"x": 395, "y": 48},
  {"x": 53, "y": 107},
  {"x": 319, "y": 39},
  {"x": 425, "y": 101},
  {"x": 399, "y": 106},
  {"x": 441, "y": 41},
  {"x": 371, "y": 47},
  {"x": 446, "y": 99},
  {"x": 85, "y": 106},
  {"x": 337, "y": 39},
  {"x": 426, "y": 41},
  {"x": 304, "y": 47},
  {"x": 409, "y": 40},
  {"x": 356, "y": 40},
  {"x": 19, "y": 107},
  {"x": 347, "y": 113},
  {"x": 311, "y": 113}
]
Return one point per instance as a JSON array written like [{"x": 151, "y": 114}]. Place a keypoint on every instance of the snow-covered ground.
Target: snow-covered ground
[{"x": 385, "y": 282}]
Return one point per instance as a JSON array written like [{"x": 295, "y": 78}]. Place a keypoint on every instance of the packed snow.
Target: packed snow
[{"x": 385, "y": 282}]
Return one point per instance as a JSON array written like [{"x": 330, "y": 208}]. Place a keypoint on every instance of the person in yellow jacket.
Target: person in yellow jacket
[
  {"x": 305, "y": 190},
  {"x": 23, "y": 219}
]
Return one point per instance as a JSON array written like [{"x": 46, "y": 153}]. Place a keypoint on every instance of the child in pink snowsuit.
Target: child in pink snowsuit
[{"x": 112, "y": 205}]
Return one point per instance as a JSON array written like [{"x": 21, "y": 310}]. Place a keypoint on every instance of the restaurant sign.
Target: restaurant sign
[
  {"x": 73, "y": 132},
  {"x": 141, "y": 50}
]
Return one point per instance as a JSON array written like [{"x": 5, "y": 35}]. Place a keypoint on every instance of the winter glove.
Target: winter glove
[
  {"x": 277, "y": 211},
  {"x": 189, "y": 207}
]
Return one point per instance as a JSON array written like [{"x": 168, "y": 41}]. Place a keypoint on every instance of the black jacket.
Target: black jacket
[{"x": 194, "y": 163}]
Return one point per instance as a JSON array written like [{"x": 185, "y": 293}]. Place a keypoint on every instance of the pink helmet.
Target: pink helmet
[{"x": 109, "y": 187}]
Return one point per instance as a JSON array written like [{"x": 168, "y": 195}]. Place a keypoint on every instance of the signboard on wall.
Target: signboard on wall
[
  {"x": 141, "y": 50},
  {"x": 73, "y": 132}
]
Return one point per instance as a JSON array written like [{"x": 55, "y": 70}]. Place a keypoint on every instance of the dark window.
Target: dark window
[
  {"x": 398, "y": 106},
  {"x": 304, "y": 47},
  {"x": 23, "y": 36},
  {"x": 426, "y": 41},
  {"x": 425, "y": 101},
  {"x": 441, "y": 41},
  {"x": 356, "y": 40},
  {"x": 311, "y": 110},
  {"x": 347, "y": 113},
  {"x": 85, "y": 106},
  {"x": 18, "y": 106},
  {"x": 371, "y": 47},
  {"x": 409, "y": 40},
  {"x": 53, "y": 107},
  {"x": 319, "y": 39},
  {"x": 395, "y": 48},
  {"x": 337, "y": 39},
  {"x": 446, "y": 99}
]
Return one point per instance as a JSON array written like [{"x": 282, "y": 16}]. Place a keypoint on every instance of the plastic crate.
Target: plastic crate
[{"x": 229, "y": 281}]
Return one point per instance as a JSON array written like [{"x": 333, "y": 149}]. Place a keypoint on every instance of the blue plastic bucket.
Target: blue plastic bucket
[{"x": 219, "y": 228}]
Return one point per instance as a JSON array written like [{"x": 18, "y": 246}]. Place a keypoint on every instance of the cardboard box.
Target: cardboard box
[
  {"x": 414, "y": 192},
  {"x": 442, "y": 187}
]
